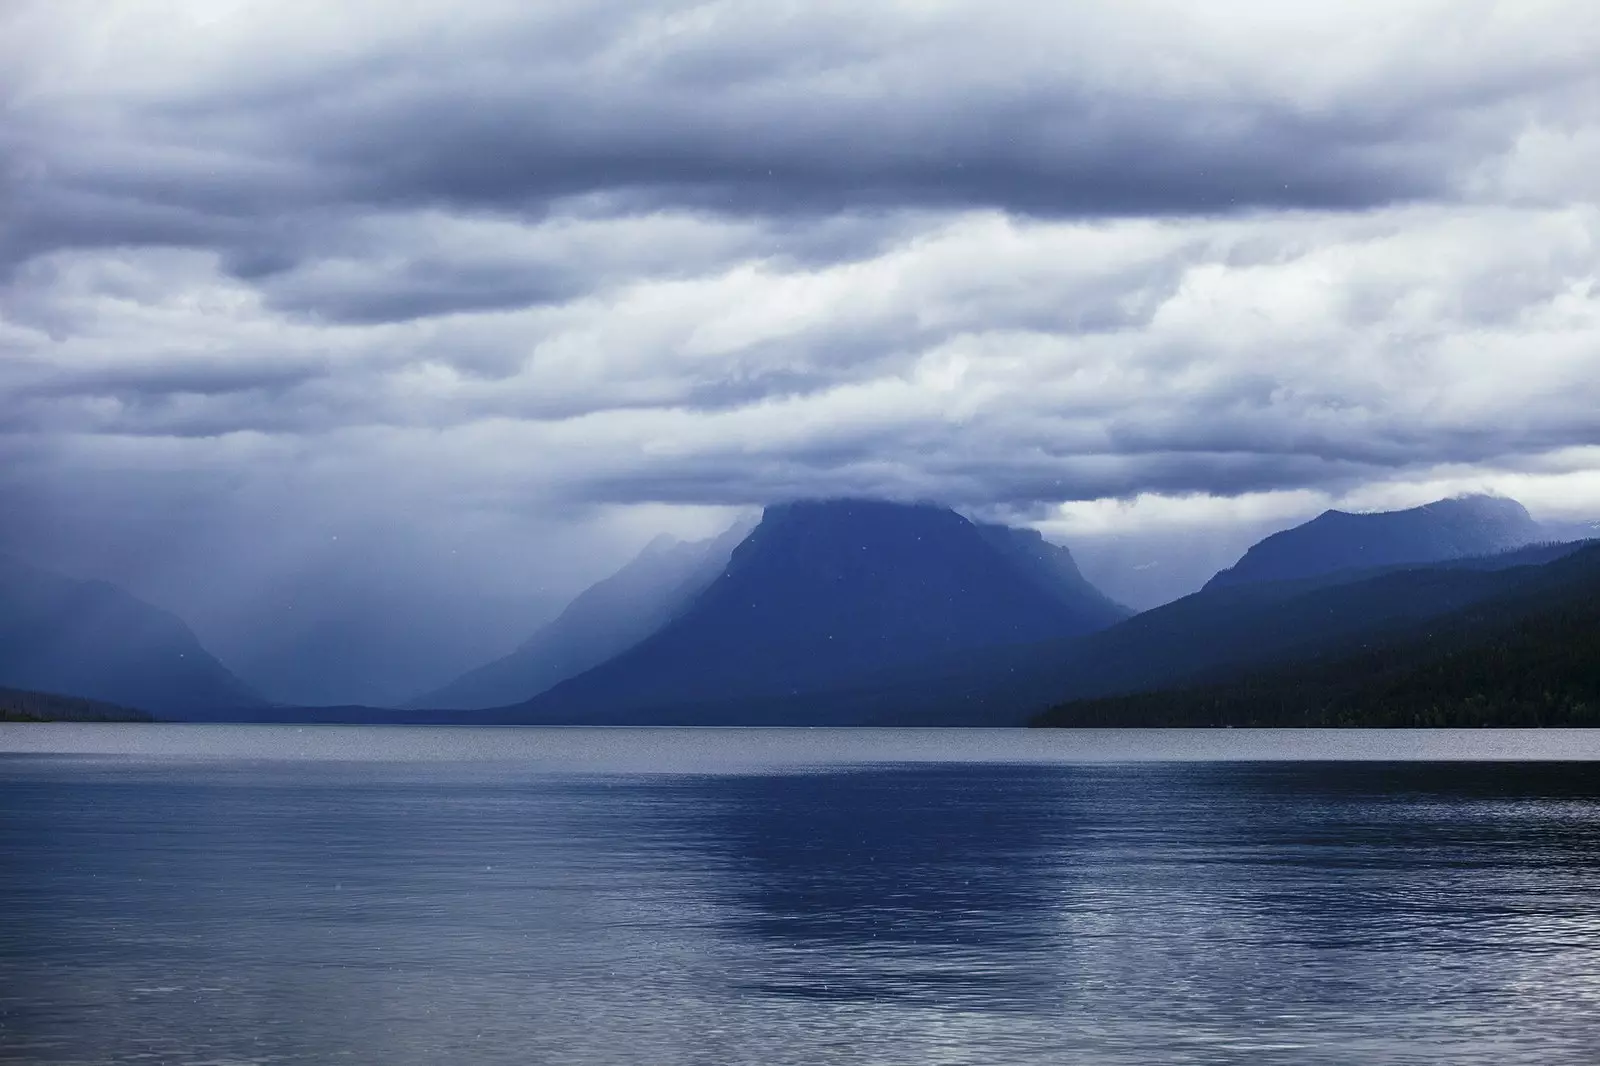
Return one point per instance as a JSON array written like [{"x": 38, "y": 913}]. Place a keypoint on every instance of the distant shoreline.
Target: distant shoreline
[
  {"x": 1047, "y": 722},
  {"x": 24, "y": 705}
]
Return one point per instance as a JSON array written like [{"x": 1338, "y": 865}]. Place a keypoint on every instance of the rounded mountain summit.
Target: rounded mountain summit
[{"x": 1457, "y": 528}]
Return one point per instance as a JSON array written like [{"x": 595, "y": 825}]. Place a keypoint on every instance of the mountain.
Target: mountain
[
  {"x": 92, "y": 640},
  {"x": 822, "y": 591},
  {"x": 605, "y": 620},
  {"x": 1338, "y": 540},
  {"x": 1213, "y": 634},
  {"x": 1527, "y": 656}
]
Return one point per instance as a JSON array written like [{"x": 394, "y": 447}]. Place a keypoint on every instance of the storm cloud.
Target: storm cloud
[{"x": 527, "y": 283}]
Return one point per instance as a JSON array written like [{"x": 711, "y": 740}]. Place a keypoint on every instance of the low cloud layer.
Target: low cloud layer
[{"x": 537, "y": 283}]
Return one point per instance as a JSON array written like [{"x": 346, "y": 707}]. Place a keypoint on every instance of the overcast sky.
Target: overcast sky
[{"x": 496, "y": 291}]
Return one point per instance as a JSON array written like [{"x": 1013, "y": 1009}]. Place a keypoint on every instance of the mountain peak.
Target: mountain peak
[
  {"x": 92, "y": 640},
  {"x": 1452, "y": 528},
  {"x": 826, "y": 591},
  {"x": 1485, "y": 504}
]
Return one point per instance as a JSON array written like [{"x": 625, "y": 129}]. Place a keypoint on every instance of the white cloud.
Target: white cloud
[{"x": 1322, "y": 348}]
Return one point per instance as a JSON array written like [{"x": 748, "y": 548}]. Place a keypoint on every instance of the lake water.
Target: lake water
[{"x": 232, "y": 895}]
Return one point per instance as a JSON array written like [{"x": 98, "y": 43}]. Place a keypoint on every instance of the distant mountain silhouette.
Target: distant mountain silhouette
[
  {"x": 605, "y": 620},
  {"x": 1208, "y": 638},
  {"x": 1338, "y": 540},
  {"x": 92, "y": 640},
  {"x": 1211, "y": 635},
  {"x": 822, "y": 591},
  {"x": 1527, "y": 655}
]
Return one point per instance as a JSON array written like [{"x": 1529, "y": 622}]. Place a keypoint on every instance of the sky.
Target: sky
[{"x": 392, "y": 310}]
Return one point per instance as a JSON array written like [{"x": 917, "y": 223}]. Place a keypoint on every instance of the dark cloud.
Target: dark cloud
[
  {"x": 678, "y": 106},
  {"x": 211, "y": 378},
  {"x": 968, "y": 482},
  {"x": 1050, "y": 153},
  {"x": 424, "y": 289}
]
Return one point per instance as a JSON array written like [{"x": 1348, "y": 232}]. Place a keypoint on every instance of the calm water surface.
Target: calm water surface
[{"x": 272, "y": 895}]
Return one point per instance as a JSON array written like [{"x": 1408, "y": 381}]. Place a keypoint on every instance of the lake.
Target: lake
[{"x": 254, "y": 894}]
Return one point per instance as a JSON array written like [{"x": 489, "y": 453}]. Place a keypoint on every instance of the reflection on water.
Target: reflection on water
[{"x": 423, "y": 912}]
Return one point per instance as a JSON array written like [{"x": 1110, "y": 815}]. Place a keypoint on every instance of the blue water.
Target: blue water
[{"x": 274, "y": 895}]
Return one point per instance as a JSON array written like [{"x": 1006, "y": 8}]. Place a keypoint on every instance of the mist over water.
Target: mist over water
[{"x": 795, "y": 896}]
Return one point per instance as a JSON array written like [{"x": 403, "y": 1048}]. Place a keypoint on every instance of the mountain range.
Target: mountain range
[
  {"x": 1525, "y": 651},
  {"x": 868, "y": 612},
  {"x": 92, "y": 640}
]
